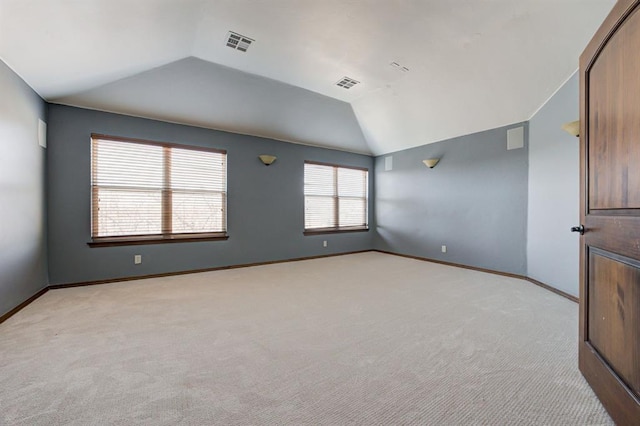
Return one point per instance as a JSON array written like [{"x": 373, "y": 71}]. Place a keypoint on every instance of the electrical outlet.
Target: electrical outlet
[
  {"x": 444, "y": 249},
  {"x": 324, "y": 243},
  {"x": 137, "y": 259}
]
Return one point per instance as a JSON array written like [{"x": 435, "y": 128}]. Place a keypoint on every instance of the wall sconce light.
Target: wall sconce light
[
  {"x": 431, "y": 162},
  {"x": 267, "y": 159},
  {"x": 572, "y": 128}
]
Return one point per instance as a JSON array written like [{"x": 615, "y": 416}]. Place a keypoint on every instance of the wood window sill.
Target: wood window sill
[
  {"x": 131, "y": 241},
  {"x": 322, "y": 231}
]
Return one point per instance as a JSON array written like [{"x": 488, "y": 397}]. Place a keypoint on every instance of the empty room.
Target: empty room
[{"x": 340, "y": 212}]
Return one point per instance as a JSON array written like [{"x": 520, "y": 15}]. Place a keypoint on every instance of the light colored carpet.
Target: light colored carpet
[{"x": 369, "y": 339}]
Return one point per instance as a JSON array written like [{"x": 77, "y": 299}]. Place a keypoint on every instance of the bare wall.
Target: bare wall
[
  {"x": 265, "y": 204},
  {"x": 23, "y": 258},
  {"x": 554, "y": 192},
  {"x": 474, "y": 202}
]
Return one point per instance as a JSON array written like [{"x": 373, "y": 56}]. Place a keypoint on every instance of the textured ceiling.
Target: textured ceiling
[{"x": 473, "y": 64}]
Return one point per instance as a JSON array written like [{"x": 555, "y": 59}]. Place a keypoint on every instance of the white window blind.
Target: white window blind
[
  {"x": 147, "y": 189},
  {"x": 335, "y": 197}
]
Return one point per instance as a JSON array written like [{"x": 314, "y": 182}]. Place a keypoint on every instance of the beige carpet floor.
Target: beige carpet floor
[{"x": 366, "y": 339}]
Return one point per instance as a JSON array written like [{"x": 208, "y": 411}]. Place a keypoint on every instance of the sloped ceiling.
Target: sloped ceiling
[
  {"x": 473, "y": 65},
  {"x": 197, "y": 92}
]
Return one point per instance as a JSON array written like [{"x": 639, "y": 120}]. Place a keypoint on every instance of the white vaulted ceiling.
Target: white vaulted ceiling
[{"x": 473, "y": 64}]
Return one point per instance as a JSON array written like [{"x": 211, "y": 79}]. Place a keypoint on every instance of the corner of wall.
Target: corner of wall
[
  {"x": 23, "y": 248},
  {"x": 553, "y": 191}
]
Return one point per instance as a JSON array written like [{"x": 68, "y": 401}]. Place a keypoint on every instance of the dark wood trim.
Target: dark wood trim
[
  {"x": 336, "y": 201},
  {"x": 94, "y": 190},
  {"x": 167, "y": 199},
  {"x": 324, "y": 231},
  {"x": 220, "y": 268},
  {"x": 457, "y": 265},
  {"x": 18, "y": 308},
  {"x": 552, "y": 289},
  {"x": 156, "y": 143},
  {"x": 21, "y": 306},
  {"x": 167, "y": 193},
  {"x": 336, "y": 198},
  {"x": 156, "y": 239},
  {"x": 318, "y": 163},
  {"x": 195, "y": 271},
  {"x": 488, "y": 271}
]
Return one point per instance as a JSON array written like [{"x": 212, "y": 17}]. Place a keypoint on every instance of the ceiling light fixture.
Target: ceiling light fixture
[
  {"x": 347, "y": 82},
  {"x": 238, "y": 41}
]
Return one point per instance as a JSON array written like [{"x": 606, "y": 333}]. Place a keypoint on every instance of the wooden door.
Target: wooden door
[{"x": 609, "y": 348}]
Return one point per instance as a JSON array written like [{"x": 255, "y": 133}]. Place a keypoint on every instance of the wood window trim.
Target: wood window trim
[
  {"x": 318, "y": 163},
  {"x": 167, "y": 194},
  {"x": 94, "y": 193},
  {"x": 165, "y": 237},
  {"x": 336, "y": 198},
  {"x": 344, "y": 229},
  {"x": 156, "y": 143},
  {"x": 156, "y": 239}
]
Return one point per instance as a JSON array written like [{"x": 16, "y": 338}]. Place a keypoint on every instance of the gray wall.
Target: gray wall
[
  {"x": 554, "y": 192},
  {"x": 265, "y": 204},
  {"x": 200, "y": 93},
  {"x": 23, "y": 260},
  {"x": 474, "y": 202}
]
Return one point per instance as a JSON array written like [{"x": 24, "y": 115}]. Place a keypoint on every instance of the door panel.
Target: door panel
[
  {"x": 614, "y": 310},
  {"x": 614, "y": 121},
  {"x": 609, "y": 350}
]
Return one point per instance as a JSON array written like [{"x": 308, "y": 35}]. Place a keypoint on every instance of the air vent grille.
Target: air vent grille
[
  {"x": 399, "y": 67},
  {"x": 347, "y": 83},
  {"x": 238, "y": 41}
]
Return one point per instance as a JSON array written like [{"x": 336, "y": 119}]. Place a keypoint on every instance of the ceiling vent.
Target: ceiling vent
[
  {"x": 347, "y": 83},
  {"x": 399, "y": 67},
  {"x": 238, "y": 41}
]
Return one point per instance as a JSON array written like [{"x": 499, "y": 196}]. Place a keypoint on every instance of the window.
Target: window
[
  {"x": 335, "y": 198},
  {"x": 146, "y": 191}
]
